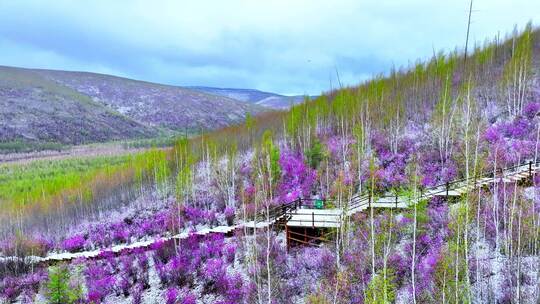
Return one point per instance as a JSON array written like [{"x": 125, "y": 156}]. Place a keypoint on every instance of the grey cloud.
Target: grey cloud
[{"x": 281, "y": 46}]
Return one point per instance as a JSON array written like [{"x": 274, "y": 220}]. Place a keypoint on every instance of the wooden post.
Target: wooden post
[
  {"x": 396, "y": 200},
  {"x": 447, "y": 188},
  {"x": 288, "y": 237},
  {"x": 313, "y": 220},
  {"x": 530, "y": 168}
]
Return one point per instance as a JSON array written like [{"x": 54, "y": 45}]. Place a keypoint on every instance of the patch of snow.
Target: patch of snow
[{"x": 124, "y": 110}]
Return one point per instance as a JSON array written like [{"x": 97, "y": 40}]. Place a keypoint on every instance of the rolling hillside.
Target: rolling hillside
[
  {"x": 33, "y": 108},
  {"x": 265, "y": 99},
  {"x": 79, "y": 107}
]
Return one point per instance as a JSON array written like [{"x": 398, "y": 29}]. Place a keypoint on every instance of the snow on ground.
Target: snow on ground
[{"x": 494, "y": 279}]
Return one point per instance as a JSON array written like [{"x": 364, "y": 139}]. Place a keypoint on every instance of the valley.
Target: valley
[{"x": 418, "y": 186}]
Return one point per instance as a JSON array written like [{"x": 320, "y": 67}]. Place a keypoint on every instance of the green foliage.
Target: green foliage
[
  {"x": 521, "y": 55},
  {"x": 250, "y": 122},
  {"x": 151, "y": 165},
  {"x": 321, "y": 106},
  {"x": 517, "y": 71},
  {"x": 315, "y": 154},
  {"x": 381, "y": 289},
  {"x": 360, "y": 137},
  {"x": 24, "y": 184},
  {"x": 45, "y": 183},
  {"x": 294, "y": 120},
  {"x": 485, "y": 55},
  {"x": 421, "y": 206},
  {"x": 184, "y": 161},
  {"x": 158, "y": 142},
  {"x": 317, "y": 299},
  {"x": 183, "y": 181},
  {"x": 343, "y": 105},
  {"x": 21, "y": 147},
  {"x": 445, "y": 276},
  {"x": 273, "y": 153},
  {"x": 59, "y": 289}
]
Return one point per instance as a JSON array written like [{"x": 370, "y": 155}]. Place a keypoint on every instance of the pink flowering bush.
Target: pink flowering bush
[
  {"x": 297, "y": 179},
  {"x": 337, "y": 145},
  {"x": 513, "y": 141},
  {"x": 229, "y": 214},
  {"x": 531, "y": 110},
  {"x": 434, "y": 172},
  {"x": 202, "y": 259},
  {"x": 27, "y": 285},
  {"x": 100, "y": 281},
  {"x": 174, "y": 296},
  {"x": 391, "y": 165},
  {"x": 74, "y": 243}
]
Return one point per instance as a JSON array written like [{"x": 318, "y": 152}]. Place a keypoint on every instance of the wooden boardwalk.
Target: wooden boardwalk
[
  {"x": 295, "y": 214},
  {"x": 323, "y": 218}
]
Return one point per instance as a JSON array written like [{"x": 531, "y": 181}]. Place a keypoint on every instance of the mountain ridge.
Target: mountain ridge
[
  {"x": 262, "y": 98},
  {"x": 81, "y": 107}
]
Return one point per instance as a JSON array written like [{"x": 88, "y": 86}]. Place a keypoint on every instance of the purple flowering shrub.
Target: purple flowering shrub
[
  {"x": 531, "y": 110},
  {"x": 391, "y": 164},
  {"x": 174, "y": 296},
  {"x": 74, "y": 243},
  {"x": 215, "y": 276},
  {"x": 201, "y": 259},
  {"x": 102, "y": 235},
  {"x": 229, "y": 213},
  {"x": 100, "y": 281},
  {"x": 513, "y": 141},
  {"x": 355, "y": 275},
  {"x": 434, "y": 172},
  {"x": 283, "y": 270},
  {"x": 197, "y": 216},
  {"x": 338, "y": 145},
  {"x": 306, "y": 267},
  {"x": 137, "y": 293},
  {"x": 297, "y": 179},
  {"x": 27, "y": 285}
]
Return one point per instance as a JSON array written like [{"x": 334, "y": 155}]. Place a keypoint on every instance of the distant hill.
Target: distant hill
[
  {"x": 80, "y": 107},
  {"x": 265, "y": 99}
]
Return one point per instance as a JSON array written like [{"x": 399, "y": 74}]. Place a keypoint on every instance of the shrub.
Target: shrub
[
  {"x": 315, "y": 154},
  {"x": 99, "y": 281},
  {"x": 137, "y": 293},
  {"x": 171, "y": 295},
  {"x": 297, "y": 179},
  {"x": 229, "y": 213},
  {"x": 21, "y": 246},
  {"x": 215, "y": 275},
  {"x": 74, "y": 243},
  {"x": 59, "y": 289}
]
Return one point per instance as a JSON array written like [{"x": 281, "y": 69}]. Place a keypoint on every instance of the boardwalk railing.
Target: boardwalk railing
[{"x": 362, "y": 201}]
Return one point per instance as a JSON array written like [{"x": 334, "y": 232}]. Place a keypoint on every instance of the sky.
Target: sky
[{"x": 282, "y": 46}]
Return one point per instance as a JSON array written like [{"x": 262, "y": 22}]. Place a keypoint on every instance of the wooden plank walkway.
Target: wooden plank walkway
[
  {"x": 333, "y": 217},
  {"x": 296, "y": 216}
]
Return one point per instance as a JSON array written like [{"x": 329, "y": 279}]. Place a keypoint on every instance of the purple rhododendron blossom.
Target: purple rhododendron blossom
[
  {"x": 74, "y": 243},
  {"x": 297, "y": 178}
]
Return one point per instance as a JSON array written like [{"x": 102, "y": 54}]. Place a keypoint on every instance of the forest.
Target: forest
[{"x": 453, "y": 117}]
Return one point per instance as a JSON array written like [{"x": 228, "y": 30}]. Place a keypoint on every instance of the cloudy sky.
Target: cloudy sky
[{"x": 289, "y": 46}]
